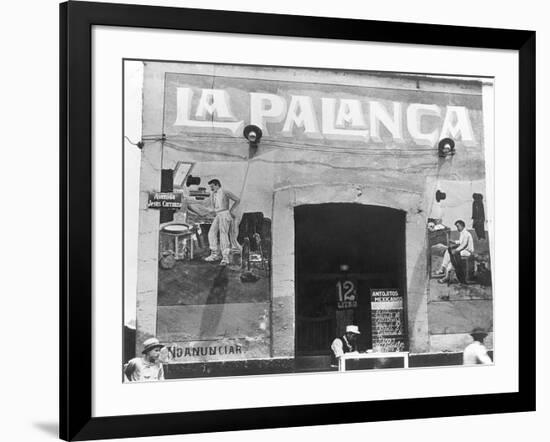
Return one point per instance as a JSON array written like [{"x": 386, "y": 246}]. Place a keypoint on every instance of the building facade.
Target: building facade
[{"x": 347, "y": 203}]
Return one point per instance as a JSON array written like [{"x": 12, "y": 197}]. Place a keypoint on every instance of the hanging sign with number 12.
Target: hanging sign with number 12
[{"x": 347, "y": 294}]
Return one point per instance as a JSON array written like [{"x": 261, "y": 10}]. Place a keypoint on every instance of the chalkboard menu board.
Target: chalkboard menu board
[{"x": 388, "y": 326}]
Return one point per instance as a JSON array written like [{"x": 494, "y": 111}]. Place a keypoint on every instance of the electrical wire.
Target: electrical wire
[
  {"x": 218, "y": 136},
  {"x": 393, "y": 153},
  {"x": 139, "y": 144},
  {"x": 206, "y": 152},
  {"x": 323, "y": 148}
]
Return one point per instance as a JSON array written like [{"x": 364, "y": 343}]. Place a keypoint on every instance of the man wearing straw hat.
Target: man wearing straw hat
[
  {"x": 344, "y": 344},
  {"x": 148, "y": 367}
]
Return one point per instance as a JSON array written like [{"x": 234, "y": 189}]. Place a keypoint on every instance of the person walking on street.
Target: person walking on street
[
  {"x": 147, "y": 367},
  {"x": 476, "y": 352}
]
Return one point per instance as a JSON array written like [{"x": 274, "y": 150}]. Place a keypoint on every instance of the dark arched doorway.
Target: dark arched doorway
[{"x": 342, "y": 251}]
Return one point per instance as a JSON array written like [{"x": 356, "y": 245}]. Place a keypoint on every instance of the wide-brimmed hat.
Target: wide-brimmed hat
[
  {"x": 478, "y": 332},
  {"x": 150, "y": 344},
  {"x": 353, "y": 329}
]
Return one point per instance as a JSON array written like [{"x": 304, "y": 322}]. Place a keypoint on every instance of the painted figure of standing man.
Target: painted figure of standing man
[{"x": 220, "y": 201}]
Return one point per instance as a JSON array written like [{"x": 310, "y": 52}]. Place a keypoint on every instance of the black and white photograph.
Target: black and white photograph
[
  {"x": 275, "y": 220},
  {"x": 283, "y": 220}
]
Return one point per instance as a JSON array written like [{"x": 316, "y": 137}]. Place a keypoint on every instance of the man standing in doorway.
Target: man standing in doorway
[
  {"x": 464, "y": 247},
  {"x": 345, "y": 344},
  {"x": 224, "y": 215}
]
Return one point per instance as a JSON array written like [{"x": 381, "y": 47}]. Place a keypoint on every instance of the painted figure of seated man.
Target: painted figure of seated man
[{"x": 463, "y": 247}]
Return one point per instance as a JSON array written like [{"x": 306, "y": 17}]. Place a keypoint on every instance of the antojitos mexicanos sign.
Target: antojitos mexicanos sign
[{"x": 318, "y": 117}]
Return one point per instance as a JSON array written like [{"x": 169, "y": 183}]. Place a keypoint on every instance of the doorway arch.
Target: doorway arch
[
  {"x": 342, "y": 251},
  {"x": 287, "y": 198}
]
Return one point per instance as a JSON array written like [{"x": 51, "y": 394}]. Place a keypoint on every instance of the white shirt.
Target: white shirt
[
  {"x": 476, "y": 353},
  {"x": 219, "y": 200},
  {"x": 139, "y": 369},
  {"x": 338, "y": 347},
  {"x": 465, "y": 241}
]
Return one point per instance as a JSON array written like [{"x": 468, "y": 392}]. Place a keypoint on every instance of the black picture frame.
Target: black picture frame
[{"x": 76, "y": 21}]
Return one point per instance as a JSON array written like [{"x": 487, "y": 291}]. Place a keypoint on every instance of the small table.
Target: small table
[
  {"x": 181, "y": 235},
  {"x": 394, "y": 354}
]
